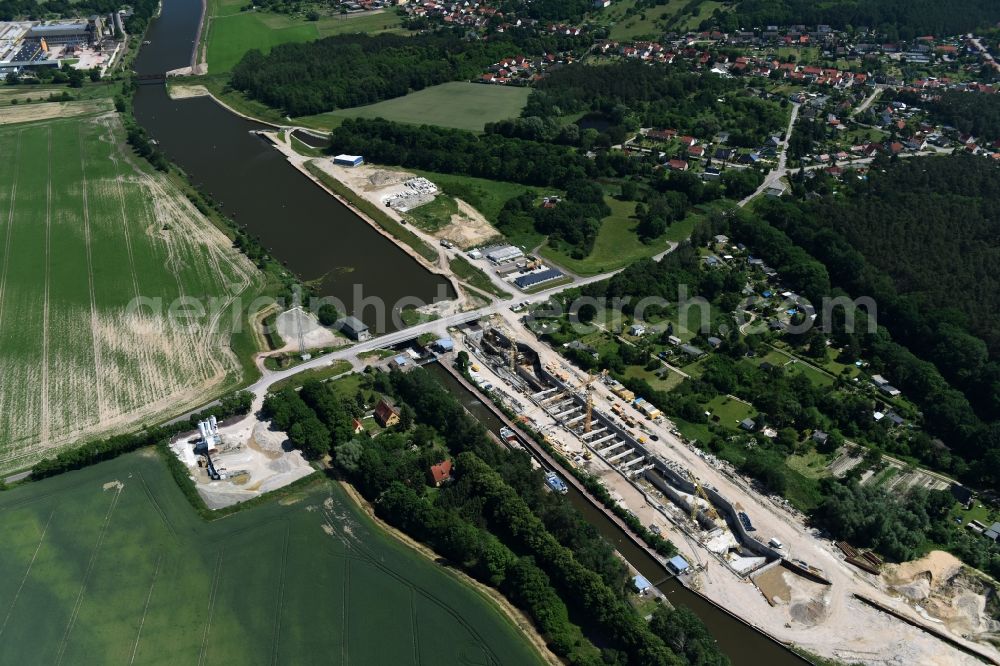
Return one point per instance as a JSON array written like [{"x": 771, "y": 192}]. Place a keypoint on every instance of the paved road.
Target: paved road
[
  {"x": 861, "y": 108},
  {"x": 774, "y": 177}
]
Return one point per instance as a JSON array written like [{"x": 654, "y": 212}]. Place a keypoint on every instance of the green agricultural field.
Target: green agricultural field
[
  {"x": 230, "y": 32},
  {"x": 458, "y": 104},
  {"x": 110, "y": 564},
  {"x": 94, "y": 249}
]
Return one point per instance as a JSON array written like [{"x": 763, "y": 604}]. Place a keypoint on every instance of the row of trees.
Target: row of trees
[
  {"x": 899, "y": 19},
  {"x": 456, "y": 151},
  {"x": 96, "y": 451}
]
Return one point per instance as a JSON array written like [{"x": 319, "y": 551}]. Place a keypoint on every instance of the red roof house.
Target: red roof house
[{"x": 440, "y": 472}]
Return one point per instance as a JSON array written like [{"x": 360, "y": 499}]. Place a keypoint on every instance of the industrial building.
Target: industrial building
[
  {"x": 531, "y": 279},
  {"x": 90, "y": 42},
  {"x": 501, "y": 254},
  {"x": 354, "y": 328},
  {"x": 349, "y": 160}
]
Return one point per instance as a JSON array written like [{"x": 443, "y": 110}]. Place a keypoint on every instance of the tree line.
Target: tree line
[
  {"x": 93, "y": 452},
  {"x": 352, "y": 70},
  {"x": 897, "y": 19},
  {"x": 456, "y": 151}
]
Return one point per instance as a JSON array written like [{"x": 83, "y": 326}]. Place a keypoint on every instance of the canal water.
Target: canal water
[
  {"x": 311, "y": 233},
  {"x": 743, "y": 645}
]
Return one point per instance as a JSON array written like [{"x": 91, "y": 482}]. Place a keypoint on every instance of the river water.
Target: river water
[
  {"x": 743, "y": 645},
  {"x": 311, "y": 233}
]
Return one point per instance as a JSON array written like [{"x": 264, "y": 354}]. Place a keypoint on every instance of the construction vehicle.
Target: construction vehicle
[
  {"x": 700, "y": 492},
  {"x": 588, "y": 388}
]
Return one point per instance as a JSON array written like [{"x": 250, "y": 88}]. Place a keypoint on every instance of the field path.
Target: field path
[
  {"x": 86, "y": 576},
  {"x": 13, "y": 602},
  {"x": 216, "y": 577},
  {"x": 279, "y": 606},
  {"x": 10, "y": 229},
  {"x": 44, "y": 416},
  {"x": 145, "y": 609},
  {"x": 102, "y": 409}
]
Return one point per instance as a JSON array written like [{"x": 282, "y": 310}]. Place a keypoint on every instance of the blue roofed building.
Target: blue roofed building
[
  {"x": 678, "y": 565},
  {"x": 531, "y": 279}
]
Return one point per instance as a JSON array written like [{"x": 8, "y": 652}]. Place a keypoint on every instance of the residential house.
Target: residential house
[
  {"x": 440, "y": 473},
  {"x": 386, "y": 415}
]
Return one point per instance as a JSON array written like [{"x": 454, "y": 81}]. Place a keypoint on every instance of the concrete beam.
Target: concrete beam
[
  {"x": 634, "y": 461},
  {"x": 594, "y": 443},
  {"x": 619, "y": 456},
  {"x": 609, "y": 449},
  {"x": 594, "y": 432}
]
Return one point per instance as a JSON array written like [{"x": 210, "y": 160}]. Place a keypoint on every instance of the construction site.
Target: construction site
[
  {"x": 738, "y": 547},
  {"x": 614, "y": 441},
  {"x": 238, "y": 462}
]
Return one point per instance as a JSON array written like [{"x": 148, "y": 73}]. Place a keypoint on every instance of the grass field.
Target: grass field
[
  {"x": 617, "y": 244},
  {"x": 111, "y": 565},
  {"x": 85, "y": 231},
  {"x": 457, "y": 104},
  {"x": 231, "y": 33}
]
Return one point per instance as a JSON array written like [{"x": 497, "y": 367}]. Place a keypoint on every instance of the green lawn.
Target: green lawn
[
  {"x": 617, "y": 244},
  {"x": 729, "y": 411},
  {"x": 433, "y": 215},
  {"x": 110, "y": 564},
  {"x": 231, "y": 32},
  {"x": 486, "y": 196},
  {"x": 475, "y": 277},
  {"x": 669, "y": 378},
  {"x": 457, "y": 104},
  {"x": 315, "y": 374},
  {"x": 98, "y": 247},
  {"x": 811, "y": 464}
]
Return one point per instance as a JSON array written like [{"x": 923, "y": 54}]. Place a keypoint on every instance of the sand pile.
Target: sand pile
[{"x": 941, "y": 588}]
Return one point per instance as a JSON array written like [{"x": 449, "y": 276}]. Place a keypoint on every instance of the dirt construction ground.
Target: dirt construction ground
[
  {"x": 256, "y": 459},
  {"x": 826, "y": 620},
  {"x": 467, "y": 229}
]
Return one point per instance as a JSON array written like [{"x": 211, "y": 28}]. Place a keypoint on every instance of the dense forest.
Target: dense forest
[
  {"x": 932, "y": 227},
  {"x": 352, "y": 70},
  {"x": 457, "y": 151},
  {"x": 971, "y": 113},
  {"x": 494, "y": 520},
  {"x": 898, "y": 19},
  {"x": 632, "y": 94}
]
